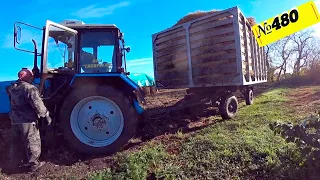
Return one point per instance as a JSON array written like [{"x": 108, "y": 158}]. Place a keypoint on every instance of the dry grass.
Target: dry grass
[
  {"x": 194, "y": 15},
  {"x": 198, "y": 14},
  {"x": 252, "y": 21}
]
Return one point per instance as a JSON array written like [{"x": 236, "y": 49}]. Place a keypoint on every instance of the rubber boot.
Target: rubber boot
[{"x": 35, "y": 167}]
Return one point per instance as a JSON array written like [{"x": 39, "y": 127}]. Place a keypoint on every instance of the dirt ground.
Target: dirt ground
[
  {"x": 65, "y": 163},
  {"x": 305, "y": 100}
]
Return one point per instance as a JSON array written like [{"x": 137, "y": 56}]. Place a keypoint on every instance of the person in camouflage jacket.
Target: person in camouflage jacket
[{"x": 27, "y": 108}]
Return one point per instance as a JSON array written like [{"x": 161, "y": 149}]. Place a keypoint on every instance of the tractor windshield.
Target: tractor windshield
[
  {"x": 60, "y": 48},
  {"x": 98, "y": 51}
]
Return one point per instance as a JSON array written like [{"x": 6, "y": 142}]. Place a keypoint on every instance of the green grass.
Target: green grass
[{"x": 242, "y": 148}]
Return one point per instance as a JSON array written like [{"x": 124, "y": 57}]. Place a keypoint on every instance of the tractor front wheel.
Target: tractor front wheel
[{"x": 98, "y": 119}]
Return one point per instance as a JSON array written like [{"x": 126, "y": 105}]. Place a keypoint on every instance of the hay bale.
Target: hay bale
[
  {"x": 252, "y": 21},
  {"x": 194, "y": 15},
  {"x": 251, "y": 74},
  {"x": 146, "y": 90},
  {"x": 153, "y": 90},
  {"x": 198, "y": 14},
  {"x": 149, "y": 90}
]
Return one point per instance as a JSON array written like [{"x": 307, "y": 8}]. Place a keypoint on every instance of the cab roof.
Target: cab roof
[
  {"x": 90, "y": 26},
  {"x": 81, "y": 25}
]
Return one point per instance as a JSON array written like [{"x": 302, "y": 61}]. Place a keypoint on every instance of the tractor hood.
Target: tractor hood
[{"x": 4, "y": 99}]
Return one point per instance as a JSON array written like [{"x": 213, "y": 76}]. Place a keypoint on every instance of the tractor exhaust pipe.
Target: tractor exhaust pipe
[{"x": 35, "y": 69}]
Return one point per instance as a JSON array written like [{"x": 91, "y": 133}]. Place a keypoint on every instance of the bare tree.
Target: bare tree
[
  {"x": 314, "y": 56},
  {"x": 303, "y": 47},
  {"x": 283, "y": 51},
  {"x": 299, "y": 51},
  {"x": 269, "y": 50}
]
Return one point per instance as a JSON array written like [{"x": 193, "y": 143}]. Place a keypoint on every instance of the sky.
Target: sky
[{"x": 137, "y": 19}]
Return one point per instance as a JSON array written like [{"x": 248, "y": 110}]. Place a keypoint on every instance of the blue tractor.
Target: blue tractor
[{"x": 87, "y": 89}]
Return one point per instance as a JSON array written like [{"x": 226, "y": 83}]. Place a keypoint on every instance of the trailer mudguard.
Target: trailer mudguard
[{"x": 120, "y": 81}]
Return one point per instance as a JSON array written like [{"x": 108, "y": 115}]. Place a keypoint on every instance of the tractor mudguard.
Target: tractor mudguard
[{"x": 119, "y": 81}]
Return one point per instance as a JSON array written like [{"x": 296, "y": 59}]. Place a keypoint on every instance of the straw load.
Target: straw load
[
  {"x": 198, "y": 14},
  {"x": 252, "y": 21}
]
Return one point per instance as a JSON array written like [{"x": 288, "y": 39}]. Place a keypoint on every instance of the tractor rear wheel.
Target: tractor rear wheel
[{"x": 98, "y": 119}]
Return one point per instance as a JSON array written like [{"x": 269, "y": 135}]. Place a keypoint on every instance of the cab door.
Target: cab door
[{"x": 58, "y": 52}]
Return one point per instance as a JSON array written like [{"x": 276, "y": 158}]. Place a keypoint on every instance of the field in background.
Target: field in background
[{"x": 186, "y": 146}]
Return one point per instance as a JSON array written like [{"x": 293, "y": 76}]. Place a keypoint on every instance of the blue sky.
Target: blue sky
[{"x": 138, "y": 19}]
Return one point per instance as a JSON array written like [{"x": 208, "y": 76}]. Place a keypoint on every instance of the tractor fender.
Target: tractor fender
[{"x": 117, "y": 80}]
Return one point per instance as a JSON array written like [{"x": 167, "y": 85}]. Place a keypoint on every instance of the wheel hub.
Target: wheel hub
[
  {"x": 97, "y": 121},
  {"x": 251, "y": 95},
  {"x": 232, "y": 107}
]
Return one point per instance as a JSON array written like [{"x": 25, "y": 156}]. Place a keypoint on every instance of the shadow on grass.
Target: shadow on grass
[{"x": 180, "y": 120}]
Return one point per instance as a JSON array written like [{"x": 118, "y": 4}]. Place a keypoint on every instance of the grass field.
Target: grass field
[{"x": 242, "y": 148}]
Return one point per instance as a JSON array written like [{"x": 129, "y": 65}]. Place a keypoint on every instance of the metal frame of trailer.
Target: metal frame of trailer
[{"x": 222, "y": 94}]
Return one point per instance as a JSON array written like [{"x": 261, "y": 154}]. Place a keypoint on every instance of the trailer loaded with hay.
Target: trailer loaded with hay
[{"x": 212, "y": 54}]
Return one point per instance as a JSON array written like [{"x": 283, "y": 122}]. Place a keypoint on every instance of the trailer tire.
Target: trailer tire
[
  {"x": 249, "y": 96},
  {"x": 97, "y": 119},
  {"x": 228, "y": 107}
]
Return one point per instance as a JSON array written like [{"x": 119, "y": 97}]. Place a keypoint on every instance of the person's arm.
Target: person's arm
[{"x": 37, "y": 103}]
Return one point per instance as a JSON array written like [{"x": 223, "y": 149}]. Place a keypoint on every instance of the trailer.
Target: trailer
[{"x": 213, "y": 56}]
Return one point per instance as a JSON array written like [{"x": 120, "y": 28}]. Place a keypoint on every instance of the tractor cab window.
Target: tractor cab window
[
  {"x": 98, "y": 52},
  {"x": 60, "y": 49}
]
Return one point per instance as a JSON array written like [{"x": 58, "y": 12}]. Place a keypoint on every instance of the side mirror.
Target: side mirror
[
  {"x": 17, "y": 34},
  {"x": 127, "y": 49},
  {"x": 18, "y": 40}
]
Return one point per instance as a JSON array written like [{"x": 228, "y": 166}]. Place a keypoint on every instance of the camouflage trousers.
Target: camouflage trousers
[{"x": 25, "y": 144}]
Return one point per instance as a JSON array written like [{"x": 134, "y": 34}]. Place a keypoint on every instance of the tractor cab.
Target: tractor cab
[
  {"x": 84, "y": 48},
  {"x": 73, "y": 47}
]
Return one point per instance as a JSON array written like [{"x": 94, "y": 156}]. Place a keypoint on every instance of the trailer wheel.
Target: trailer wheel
[
  {"x": 228, "y": 107},
  {"x": 249, "y": 96},
  {"x": 98, "y": 119}
]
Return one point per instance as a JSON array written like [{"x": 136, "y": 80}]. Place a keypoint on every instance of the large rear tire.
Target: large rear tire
[{"x": 97, "y": 119}]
